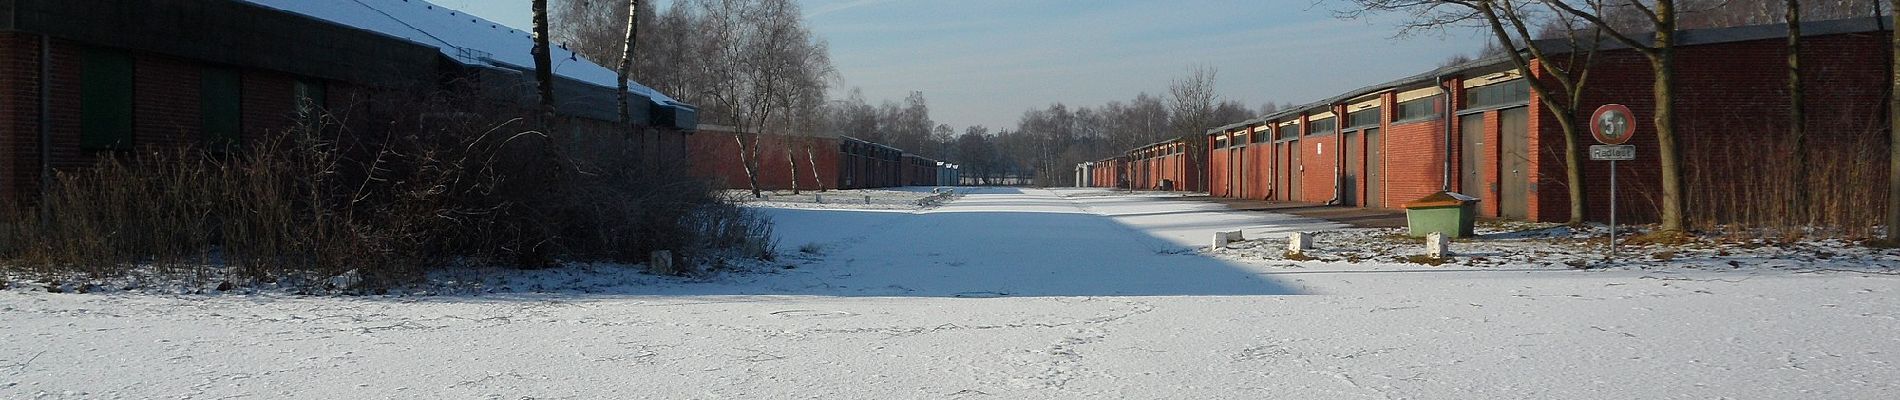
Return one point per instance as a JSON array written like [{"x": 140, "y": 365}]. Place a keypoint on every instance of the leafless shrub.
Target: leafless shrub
[
  {"x": 1746, "y": 187},
  {"x": 425, "y": 189}
]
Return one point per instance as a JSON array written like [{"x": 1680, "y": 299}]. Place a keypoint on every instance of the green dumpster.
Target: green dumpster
[{"x": 1446, "y": 212}]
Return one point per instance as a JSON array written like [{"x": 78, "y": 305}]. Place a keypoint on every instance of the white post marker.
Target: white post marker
[
  {"x": 1299, "y": 242},
  {"x": 1612, "y": 125},
  {"x": 1437, "y": 246},
  {"x": 1221, "y": 239}
]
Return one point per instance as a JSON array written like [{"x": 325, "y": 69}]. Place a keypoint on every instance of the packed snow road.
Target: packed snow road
[{"x": 1000, "y": 294}]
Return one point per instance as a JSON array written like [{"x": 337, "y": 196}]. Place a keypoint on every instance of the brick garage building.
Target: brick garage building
[
  {"x": 715, "y": 156},
  {"x": 822, "y": 163},
  {"x": 1166, "y": 165},
  {"x": 1386, "y": 144},
  {"x": 214, "y": 73}
]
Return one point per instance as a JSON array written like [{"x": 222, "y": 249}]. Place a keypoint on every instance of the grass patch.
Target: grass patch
[
  {"x": 1427, "y": 260},
  {"x": 1883, "y": 244},
  {"x": 1297, "y": 256},
  {"x": 1661, "y": 238}
]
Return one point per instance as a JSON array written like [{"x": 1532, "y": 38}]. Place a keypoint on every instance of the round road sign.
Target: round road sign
[{"x": 1612, "y": 124}]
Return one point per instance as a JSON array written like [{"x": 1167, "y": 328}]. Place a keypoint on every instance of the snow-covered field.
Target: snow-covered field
[{"x": 1007, "y": 293}]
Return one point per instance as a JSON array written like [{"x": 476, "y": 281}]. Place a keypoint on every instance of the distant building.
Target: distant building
[
  {"x": 1476, "y": 129},
  {"x": 80, "y": 79}
]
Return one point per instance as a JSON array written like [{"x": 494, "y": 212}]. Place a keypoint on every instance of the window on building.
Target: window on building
[
  {"x": 1220, "y": 142},
  {"x": 310, "y": 97},
  {"x": 220, "y": 102},
  {"x": 1498, "y": 94},
  {"x": 105, "y": 92},
  {"x": 1418, "y": 109},
  {"x": 1322, "y": 127},
  {"x": 1262, "y": 134},
  {"x": 1366, "y": 117},
  {"x": 1289, "y": 131}
]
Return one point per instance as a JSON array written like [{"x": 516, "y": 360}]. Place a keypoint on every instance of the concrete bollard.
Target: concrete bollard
[
  {"x": 1221, "y": 239},
  {"x": 821, "y": 198},
  {"x": 662, "y": 263},
  {"x": 1299, "y": 242},
  {"x": 1437, "y": 246},
  {"x": 867, "y": 199}
]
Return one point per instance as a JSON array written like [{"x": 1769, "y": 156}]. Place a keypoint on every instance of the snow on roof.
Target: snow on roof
[{"x": 462, "y": 37}]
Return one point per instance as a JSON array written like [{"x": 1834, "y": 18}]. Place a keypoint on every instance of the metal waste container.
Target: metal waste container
[{"x": 1445, "y": 212}]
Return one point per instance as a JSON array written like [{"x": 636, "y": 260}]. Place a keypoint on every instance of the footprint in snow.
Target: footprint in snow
[{"x": 813, "y": 314}]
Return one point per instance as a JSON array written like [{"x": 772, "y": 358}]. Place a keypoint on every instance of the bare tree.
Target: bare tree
[
  {"x": 1797, "y": 118},
  {"x": 1193, "y": 100},
  {"x": 1659, "y": 50},
  {"x": 759, "y": 61},
  {"x": 626, "y": 60},
  {"x": 1193, "y": 104},
  {"x": 543, "y": 59},
  {"x": 1893, "y": 134}
]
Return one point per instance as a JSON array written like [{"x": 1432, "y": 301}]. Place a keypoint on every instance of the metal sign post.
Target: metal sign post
[{"x": 1612, "y": 125}]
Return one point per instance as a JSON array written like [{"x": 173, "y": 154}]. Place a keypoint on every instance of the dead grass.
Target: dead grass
[
  {"x": 428, "y": 191},
  {"x": 1660, "y": 238},
  {"x": 1749, "y": 188},
  {"x": 1426, "y": 260}
]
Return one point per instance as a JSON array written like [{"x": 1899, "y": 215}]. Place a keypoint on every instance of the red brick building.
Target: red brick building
[
  {"x": 85, "y": 79},
  {"x": 1387, "y": 144},
  {"x": 821, "y": 162},
  {"x": 1166, "y": 165}
]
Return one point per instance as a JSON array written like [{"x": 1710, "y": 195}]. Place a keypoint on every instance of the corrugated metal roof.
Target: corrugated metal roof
[{"x": 465, "y": 38}]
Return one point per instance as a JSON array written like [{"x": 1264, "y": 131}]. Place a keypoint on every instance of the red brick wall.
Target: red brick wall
[
  {"x": 1318, "y": 154},
  {"x": 19, "y": 103},
  {"x": 715, "y": 156},
  {"x": 165, "y": 102},
  {"x": 1259, "y": 156},
  {"x": 1218, "y": 168},
  {"x": 65, "y": 108},
  {"x": 1728, "y": 95},
  {"x": 1414, "y": 160},
  {"x": 269, "y": 104}
]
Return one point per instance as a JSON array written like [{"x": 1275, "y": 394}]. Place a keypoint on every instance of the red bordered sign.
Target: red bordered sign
[{"x": 1613, "y": 124}]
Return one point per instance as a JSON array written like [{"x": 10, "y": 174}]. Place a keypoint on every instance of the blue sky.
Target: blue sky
[{"x": 983, "y": 62}]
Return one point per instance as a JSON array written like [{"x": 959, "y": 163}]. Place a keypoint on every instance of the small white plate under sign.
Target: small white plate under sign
[{"x": 1605, "y": 152}]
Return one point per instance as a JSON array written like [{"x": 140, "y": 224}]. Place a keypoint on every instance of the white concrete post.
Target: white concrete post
[
  {"x": 821, "y": 198},
  {"x": 1299, "y": 242},
  {"x": 1437, "y": 246},
  {"x": 661, "y": 263},
  {"x": 867, "y": 199},
  {"x": 1221, "y": 239}
]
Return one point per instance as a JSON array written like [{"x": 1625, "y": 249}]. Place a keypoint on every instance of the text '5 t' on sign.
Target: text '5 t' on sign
[{"x": 1613, "y": 124}]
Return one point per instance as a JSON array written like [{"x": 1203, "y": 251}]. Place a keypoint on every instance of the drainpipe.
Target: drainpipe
[
  {"x": 46, "y": 124},
  {"x": 1446, "y": 100},
  {"x": 1273, "y": 161},
  {"x": 1339, "y": 155}
]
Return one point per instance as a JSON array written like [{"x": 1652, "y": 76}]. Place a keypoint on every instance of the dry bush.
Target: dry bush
[
  {"x": 398, "y": 190},
  {"x": 1747, "y": 187}
]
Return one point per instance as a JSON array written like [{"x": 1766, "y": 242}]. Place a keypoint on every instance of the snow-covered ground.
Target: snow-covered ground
[
  {"x": 903, "y": 198},
  {"x": 1007, "y": 293}
]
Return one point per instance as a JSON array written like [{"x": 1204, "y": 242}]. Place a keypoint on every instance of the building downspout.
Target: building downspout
[
  {"x": 1273, "y": 161},
  {"x": 1338, "y": 154},
  {"x": 1446, "y": 103},
  {"x": 46, "y": 124}
]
